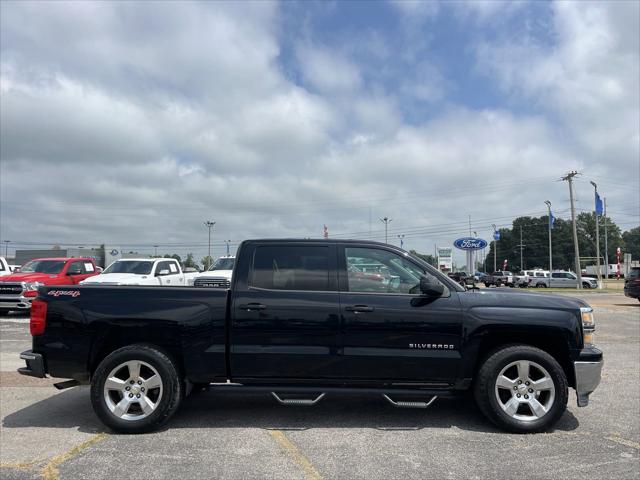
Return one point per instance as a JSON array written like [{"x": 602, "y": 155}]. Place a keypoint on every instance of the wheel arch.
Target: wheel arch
[{"x": 556, "y": 346}]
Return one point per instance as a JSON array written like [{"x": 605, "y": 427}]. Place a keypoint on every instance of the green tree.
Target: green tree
[
  {"x": 631, "y": 244},
  {"x": 175, "y": 256},
  {"x": 189, "y": 262},
  {"x": 430, "y": 259},
  {"x": 207, "y": 262}
]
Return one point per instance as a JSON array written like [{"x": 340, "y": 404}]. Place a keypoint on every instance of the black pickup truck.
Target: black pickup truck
[{"x": 304, "y": 318}]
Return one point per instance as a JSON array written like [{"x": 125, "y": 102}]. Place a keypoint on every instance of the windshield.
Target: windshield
[
  {"x": 43, "y": 266},
  {"x": 130, "y": 266},
  {"x": 223, "y": 263}
]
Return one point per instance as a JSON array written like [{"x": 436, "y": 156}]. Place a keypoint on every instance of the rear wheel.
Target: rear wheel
[
  {"x": 136, "y": 389},
  {"x": 541, "y": 285},
  {"x": 521, "y": 389}
]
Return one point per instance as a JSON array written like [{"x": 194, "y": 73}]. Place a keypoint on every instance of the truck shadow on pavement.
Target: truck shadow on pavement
[{"x": 72, "y": 409}]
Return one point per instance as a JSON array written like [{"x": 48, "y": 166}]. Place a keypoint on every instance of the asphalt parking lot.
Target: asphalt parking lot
[{"x": 52, "y": 434}]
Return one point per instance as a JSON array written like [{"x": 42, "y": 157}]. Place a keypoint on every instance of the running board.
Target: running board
[
  {"x": 403, "y": 404},
  {"x": 297, "y": 401}
]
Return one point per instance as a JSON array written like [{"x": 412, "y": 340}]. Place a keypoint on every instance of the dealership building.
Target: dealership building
[{"x": 102, "y": 256}]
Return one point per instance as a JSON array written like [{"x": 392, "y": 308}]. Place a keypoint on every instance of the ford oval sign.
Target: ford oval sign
[{"x": 470, "y": 243}]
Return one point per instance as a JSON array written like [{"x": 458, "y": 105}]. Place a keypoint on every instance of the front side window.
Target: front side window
[
  {"x": 291, "y": 268},
  {"x": 380, "y": 271},
  {"x": 75, "y": 269},
  {"x": 130, "y": 266},
  {"x": 43, "y": 266}
]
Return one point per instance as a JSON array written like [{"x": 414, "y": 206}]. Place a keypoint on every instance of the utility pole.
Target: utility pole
[
  {"x": 6, "y": 248},
  {"x": 386, "y": 221},
  {"x": 209, "y": 224},
  {"x": 401, "y": 237},
  {"x": 521, "y": 248},
  {"x": 606, "y": 250},
  {"x": 495, "y": 248},
  {"x": 550, "y": 254},
  {"x": 595, "y": 216},
  {"x": 228, "y": 242},
  {"x": 569, "y": 178},
  {"x": 155, "y": 250}
]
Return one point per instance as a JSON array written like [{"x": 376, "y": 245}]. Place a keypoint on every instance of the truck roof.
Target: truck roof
[
  {"x": 63, "y": 259},
  {"x": 319, "y": 240}
]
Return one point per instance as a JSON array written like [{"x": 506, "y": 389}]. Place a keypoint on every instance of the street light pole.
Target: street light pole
[
  {"x": 386, "y": 221},
  {"x": 495, "y": 247},
  {"x": 6, "y": 248},
  {"x": 155, "y": 250},
  {"x": 228, "y": 242},
  {"x": 401, "y": 237},
  {"x": 550, "y": 254},
  {"x": 209, "y": 224},
  {"x": 595, "y": 215},
  {"x": 606, "y": 250}
]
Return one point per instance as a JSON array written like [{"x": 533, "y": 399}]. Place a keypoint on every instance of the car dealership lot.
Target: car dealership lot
[{"x": 51, "y": 433}]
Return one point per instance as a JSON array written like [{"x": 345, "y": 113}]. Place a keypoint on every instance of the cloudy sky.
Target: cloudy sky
[{"x": 133, "y": 123}]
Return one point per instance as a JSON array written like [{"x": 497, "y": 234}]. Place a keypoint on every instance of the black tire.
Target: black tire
[
  {"x": 586, "y": 285},
  {"x": 541, "y": 285},
  {"x": 168, "y": 403},
  {"x": 487, "y": 284},
  {"x": 485, "y": 388}
]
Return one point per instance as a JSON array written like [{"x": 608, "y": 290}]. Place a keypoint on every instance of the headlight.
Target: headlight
[
  {"x": 588, "y": 325},
  {"x": 33, "y": 286}
]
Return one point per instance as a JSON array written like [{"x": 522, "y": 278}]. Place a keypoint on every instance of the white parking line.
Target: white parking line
[{"x": 14, "y": 320}]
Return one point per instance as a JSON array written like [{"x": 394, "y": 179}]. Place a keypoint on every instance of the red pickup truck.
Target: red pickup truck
[{"x": 18, "y": 290}]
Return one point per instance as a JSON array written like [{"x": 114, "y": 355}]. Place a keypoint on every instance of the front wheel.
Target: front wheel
[
  {"x": 136, "y": 389},
  {"x": 521, "y": 389},
  {"x": 586, "y": 285}
]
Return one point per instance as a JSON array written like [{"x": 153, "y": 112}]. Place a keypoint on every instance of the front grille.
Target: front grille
[
  {"x": 10, "y": 288},
  {"x": 212, "y": 282}
]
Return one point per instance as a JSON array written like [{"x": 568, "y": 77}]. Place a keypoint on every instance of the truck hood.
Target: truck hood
[
  {"x": 216, "y": 273},
  {"x": 116, "y": 279},
  {"x": 28, "y": 277},
  {"x": 517, "y": 299}
]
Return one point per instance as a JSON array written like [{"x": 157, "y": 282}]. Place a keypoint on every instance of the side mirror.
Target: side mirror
[
  {"x": 431, "y": 288},
  {"x": 162, "y": 273}
]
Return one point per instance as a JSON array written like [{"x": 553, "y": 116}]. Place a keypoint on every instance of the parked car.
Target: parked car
[
  {"x": 18, "y": 289},
  {"x": 564, "y": 279},
  {"x": 294, "y": 322},
  {"x": 459, "y": 277},
  {"x": 632, "y": 283},
  {"x": 479, "y": 276},
  {"x": 499, "y": 278},
  {"x": 5, "y": 268},
  {"x": 218, "y": 275},
  {"x": 523, "y": 279},
  {"x": 142, "y": 271},
  {"x": 537, "y": 280}
]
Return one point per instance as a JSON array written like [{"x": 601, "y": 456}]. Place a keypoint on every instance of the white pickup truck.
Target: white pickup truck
[
  {"x": 218, "y": 275},
  {"x": 143, "y": 271},
  {"x": 5, "y": 268}
]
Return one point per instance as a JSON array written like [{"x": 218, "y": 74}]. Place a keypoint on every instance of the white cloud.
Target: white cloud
[{"x": 328, "y": 70}]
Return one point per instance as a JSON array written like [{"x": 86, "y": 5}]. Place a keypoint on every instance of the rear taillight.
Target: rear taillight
[{"x": 38, "y": 317}]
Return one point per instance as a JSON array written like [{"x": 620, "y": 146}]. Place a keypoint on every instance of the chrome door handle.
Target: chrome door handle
[{"x": 359, "y": 308}]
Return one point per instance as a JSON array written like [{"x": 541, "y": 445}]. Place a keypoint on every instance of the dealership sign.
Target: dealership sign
[{"x": 470, "y": 243}]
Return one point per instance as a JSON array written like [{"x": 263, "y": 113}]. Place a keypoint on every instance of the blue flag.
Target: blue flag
[
  {"x": 599, "y": 208},
  {"x": 552, "y": 220}
]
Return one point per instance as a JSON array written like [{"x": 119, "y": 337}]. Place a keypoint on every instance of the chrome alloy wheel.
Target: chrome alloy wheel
[
  {"x": 133, "y": 390},
  {"x": 525, "y": 390}
]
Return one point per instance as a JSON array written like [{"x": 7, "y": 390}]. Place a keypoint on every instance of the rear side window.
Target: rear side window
[{"x": 291, "y": 268}]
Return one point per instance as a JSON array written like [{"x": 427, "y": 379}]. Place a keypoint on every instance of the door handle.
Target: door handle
[
  {"x": 253, "y": 306},
  {"x": 359, "y": 308}
]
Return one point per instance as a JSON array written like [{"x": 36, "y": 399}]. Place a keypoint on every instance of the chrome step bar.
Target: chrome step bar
[
  {"x": 404, "y": 404},
  {"x": 297, "y": 401}
]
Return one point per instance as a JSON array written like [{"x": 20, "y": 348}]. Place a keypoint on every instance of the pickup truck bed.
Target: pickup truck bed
[{"x": 297, "y": 319}]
